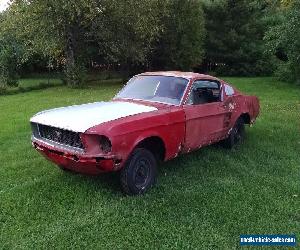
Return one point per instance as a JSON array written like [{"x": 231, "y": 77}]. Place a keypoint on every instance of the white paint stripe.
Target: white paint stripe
[{"x": 79, "y": 118}]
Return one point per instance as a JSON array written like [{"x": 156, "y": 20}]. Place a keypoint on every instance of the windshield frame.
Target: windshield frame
[{"x": 171, "y": 104}]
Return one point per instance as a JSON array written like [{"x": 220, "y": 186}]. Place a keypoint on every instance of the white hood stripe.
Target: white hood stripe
[{"x": 80, "y": 118}]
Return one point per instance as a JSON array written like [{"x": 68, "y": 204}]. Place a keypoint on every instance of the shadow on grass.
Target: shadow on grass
[
  {"x": 208, "y": 162},
  {"x": 109, "y": 183}
]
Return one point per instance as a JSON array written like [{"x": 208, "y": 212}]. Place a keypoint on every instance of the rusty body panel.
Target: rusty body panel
[{"x": 178, "y": 128}]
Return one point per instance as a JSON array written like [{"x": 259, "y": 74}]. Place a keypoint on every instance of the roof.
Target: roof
[{"x": 187, "y": 75}]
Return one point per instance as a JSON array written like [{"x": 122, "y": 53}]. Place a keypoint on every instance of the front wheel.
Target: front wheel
[
  {"x": 237, "y": 134},
  {"x": 139, "y": 173}
]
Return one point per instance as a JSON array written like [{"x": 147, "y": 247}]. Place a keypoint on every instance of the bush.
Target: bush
[
  {"x": 75, "y": 75},
  {"x": 3, "y": 89},
  {"x": 7, "y": 78},
  {"x": 283, "y": 40},
  {"x": 3, "y": 82},
  {"x": 287, "y": 72},
  {"x": 8, "y": 66}
]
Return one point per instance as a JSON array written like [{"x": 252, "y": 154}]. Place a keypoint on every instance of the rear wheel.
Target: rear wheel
[
  {"x": 237, "y": 134},
  {"x": 139, "y": 172}
]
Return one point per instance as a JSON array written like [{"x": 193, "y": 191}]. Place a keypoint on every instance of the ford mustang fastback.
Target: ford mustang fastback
[{"x": 156, "y": 117}]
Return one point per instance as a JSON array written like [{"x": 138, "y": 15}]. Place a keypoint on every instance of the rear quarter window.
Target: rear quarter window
[{"x": 229, "y": 91}]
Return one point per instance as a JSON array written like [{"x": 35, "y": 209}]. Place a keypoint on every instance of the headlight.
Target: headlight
[
  {"x": 105, "y": 144},
  {"x": 96, "y": 144}
]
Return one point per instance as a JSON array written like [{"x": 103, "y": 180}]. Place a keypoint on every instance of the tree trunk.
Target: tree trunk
[
  {"x": 70, "y": 49},
  {"x": 75, "y": 67}
]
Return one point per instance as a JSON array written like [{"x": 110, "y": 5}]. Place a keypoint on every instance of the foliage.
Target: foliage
[
  {"x": 284, "y": 40},
  {"x": 68, "y": 30},
  {"x": 126, "y": 30},
  {"x": 10, "y": 54},
  {"x": 225, "y": 36},
  {"x": 180, "y": 45},
  {"x": 8, "y": 64},
  {"x": 54, "y": 29},
  {"x": 75, "y": 75},
  {"x": 234, "y": 38}
]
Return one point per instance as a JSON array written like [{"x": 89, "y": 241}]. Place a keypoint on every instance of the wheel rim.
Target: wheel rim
[{"x": 142, "y": 173}]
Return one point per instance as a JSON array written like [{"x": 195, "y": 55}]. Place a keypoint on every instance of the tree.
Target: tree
[
  {"x": 54, "y": 29},
  {"x": 11, "y": 52},
  {"x": 234, "y": 43},
  {"x": 180, "y": 45},
  {"x": 126, "y": 30},
  {"x": 121, "y": 30},
  {"x": 284, "y": 39}
]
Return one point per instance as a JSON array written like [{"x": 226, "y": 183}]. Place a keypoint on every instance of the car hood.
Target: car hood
[{"x": 79, "y": 118}]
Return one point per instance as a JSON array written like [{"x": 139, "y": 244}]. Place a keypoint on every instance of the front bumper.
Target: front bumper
[{"x": 81, "y": 163}]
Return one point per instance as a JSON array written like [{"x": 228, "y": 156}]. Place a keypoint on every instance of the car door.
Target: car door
[{"x": 205, "y": 114}]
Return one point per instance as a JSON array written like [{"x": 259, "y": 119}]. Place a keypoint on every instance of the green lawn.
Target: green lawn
[
  {"x": 30, "y": 82},
  {"x": 203, "y": 200}
]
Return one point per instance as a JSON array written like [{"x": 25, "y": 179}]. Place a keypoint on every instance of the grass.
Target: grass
[
  {"x": 43, "y": 81},
  {"x": 33, "y": 82},
  {"x": 29, "y": 84},
  {"x": 203, "y": 200}
]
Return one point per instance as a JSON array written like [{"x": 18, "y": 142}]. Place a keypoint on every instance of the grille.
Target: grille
[{"x": 60, "y": 136}]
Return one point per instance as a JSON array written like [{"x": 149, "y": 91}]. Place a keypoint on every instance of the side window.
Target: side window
[{"x": 204, "y": 91}]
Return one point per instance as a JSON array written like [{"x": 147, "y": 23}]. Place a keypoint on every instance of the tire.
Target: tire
[
  {"x": 64, "y": 169},
  {"x": 139, "y": 173},
  {"x": 237, "y": 134}
]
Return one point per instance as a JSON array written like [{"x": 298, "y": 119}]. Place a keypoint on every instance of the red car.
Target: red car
[{"x": 155, "y": 117}]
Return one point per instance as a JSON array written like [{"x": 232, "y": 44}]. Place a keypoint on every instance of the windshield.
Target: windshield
[{"x": 165, "y": 89}]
